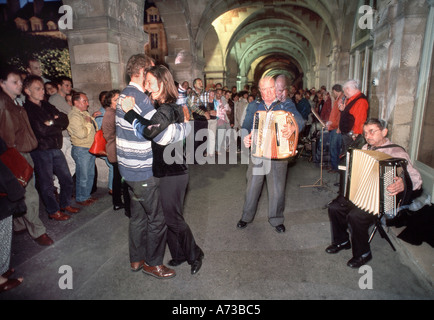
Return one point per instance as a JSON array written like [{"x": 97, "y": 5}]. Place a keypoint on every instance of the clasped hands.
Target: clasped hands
[
  {"x": 49, "y": 123},
  {"x": 128, "y": 103}
]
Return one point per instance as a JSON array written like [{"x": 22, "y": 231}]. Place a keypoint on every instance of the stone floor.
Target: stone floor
[{"x": 251, "y": 264}]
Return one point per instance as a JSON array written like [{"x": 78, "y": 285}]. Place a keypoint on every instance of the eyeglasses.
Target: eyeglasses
[{"x": 370, "y": 132}]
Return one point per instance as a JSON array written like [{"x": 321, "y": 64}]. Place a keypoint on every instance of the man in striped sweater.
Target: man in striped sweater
[{"x": 147, "y": 229}]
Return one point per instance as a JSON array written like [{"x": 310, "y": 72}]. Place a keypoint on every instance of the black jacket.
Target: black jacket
[
  {"x": 49, "y": 137},
  {"x": 166, "y": 114}
]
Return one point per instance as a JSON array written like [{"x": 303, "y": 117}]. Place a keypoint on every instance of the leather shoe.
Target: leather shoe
[
  {"x": 44, "y": 240},
  {"x": 197, "y": 264},
  {"x": 59, "y": 216},
  {"x": 137, "y": 266},
  {"x": 87, "y": 202},
  {"x": 175, "y": 263},
  {"x": 241, "y": 224},
  {"x": 8, "y": 273},
  {"x": 10, "y": 284},
  {"x": 335, "y": 248},
  {"x": 359, "y": 261},
  {"x": 280, "y": 228},
  {"x": 70, "y": 209},
  {"x": 159, "y": 272}
]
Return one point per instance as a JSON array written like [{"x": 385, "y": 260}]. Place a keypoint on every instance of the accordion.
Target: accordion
[
  {"x": 368, "y": 174},
  {"x": 267, "y": 140}
]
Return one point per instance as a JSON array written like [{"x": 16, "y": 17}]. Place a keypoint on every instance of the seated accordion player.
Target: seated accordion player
[
  {"x": 267, "y": 139},
  {"x": 368, "y": 174}
]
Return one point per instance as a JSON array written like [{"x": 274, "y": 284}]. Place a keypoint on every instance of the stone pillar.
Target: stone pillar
[
  {"x": 104, "y": 35},
  {"x": 185, "y": 67},
  {"x": 396, "y": 56},
  {"x": 179, "y": 23}
]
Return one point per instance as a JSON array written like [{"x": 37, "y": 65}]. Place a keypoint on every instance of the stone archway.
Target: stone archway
[{"x": 247, "y": 30}]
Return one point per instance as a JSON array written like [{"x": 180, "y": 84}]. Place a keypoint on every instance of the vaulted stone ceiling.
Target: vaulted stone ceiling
[{"x": 240, "y": 40}]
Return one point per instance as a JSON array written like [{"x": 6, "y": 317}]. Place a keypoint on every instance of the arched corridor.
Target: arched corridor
[
  {"x": 313, "y": 42},
  {"x": 238, "y": 42},
  {"x": 387, "y": 45}
]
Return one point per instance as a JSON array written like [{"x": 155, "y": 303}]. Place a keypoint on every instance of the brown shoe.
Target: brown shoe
[
  {"x": 44, "y": 240},
  {"x": 59, "y": 216},
  {"x": 70, "y": 209},
  {"x": 137, "y": 266},
  {"x": 160, "y": 272},
  {"x": 10, "y": 284},
  {"x": 88, "y": 202}
]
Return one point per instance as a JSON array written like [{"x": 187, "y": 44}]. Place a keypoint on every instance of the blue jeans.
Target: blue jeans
[
  {"x": 110, "y": 175},
  {"x": 46, "y": 164},
  {"x": 84, "y": 172},
  {"x": 335, "y": 149}
]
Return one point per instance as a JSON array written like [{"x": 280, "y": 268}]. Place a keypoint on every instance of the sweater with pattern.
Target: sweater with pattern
[{"x": 134, "y": 155}]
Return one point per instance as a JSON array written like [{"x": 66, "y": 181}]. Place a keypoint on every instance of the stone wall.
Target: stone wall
[
  {"x": 398, "y": 40},
  {"x": 105, "y": 34}
]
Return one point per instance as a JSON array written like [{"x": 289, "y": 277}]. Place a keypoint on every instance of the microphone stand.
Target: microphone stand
[{"x": 319, "y": 182}]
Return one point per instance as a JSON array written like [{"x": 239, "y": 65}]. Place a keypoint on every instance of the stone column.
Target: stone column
[
  {"x": 103, "y": 37},
  {"x": 180, "y": 25},
  {"x": 396, "y": 56}
]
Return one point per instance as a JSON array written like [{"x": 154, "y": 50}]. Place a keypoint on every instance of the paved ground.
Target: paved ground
[{"x": 251, "y": 264}]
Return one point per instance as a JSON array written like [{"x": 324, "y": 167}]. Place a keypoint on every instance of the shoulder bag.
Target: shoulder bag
[{"x": 98, "y": 146}]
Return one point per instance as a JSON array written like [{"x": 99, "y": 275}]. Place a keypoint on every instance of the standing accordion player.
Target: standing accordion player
[
  {"x": 368, "y": 174},
  {"x": 267, "y": 139}
]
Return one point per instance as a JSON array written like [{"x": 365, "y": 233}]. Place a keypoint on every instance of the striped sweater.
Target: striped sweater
[{"x": 134, "y": 154}]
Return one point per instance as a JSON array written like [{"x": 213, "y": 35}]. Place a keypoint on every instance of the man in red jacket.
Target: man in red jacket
[{"x": 354, "y": 114}]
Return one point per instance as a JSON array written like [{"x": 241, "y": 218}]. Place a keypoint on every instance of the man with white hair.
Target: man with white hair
[{"x": 354, "y": 114}]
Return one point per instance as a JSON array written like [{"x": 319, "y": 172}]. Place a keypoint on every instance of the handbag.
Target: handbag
[
  {"x": 98, "y": 145},
  {"x": 18, "y": 165}
]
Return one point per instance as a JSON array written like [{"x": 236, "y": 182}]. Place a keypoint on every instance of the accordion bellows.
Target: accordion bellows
[
  {"x": 369, "y": 173},
  {"x": 267, "y": 140}
]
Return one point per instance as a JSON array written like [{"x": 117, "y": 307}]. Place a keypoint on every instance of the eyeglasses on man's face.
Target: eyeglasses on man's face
[{"x": 370, "y": 132}]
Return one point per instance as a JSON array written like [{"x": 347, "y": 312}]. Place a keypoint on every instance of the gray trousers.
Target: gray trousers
[
  {"x": 31, "y": 220},
  {"x": 147, "y": 227},
  {"x": 274, "y": 172}
]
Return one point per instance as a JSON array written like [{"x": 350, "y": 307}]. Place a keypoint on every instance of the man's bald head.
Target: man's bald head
[{"x": 281, "y": 88}]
